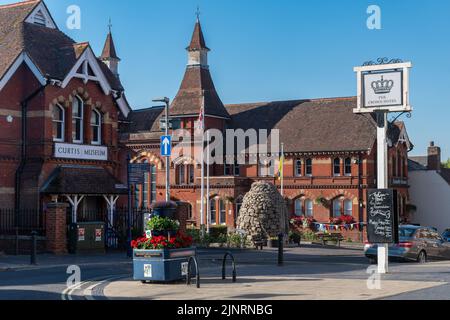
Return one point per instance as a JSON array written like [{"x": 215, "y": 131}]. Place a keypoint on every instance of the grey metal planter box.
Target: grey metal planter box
[{"x": 165, "y": 265}]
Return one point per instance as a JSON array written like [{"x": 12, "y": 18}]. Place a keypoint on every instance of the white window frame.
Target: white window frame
[
  {"x": 80, "y": 141},
  {"x": 298, "y": 167},
  {"x": 309, "y": 208},
  {"x": 224, "y": 211},
  {"x": 213, "y": 209},
  {"x": 345, "y": 167},
  {"x": 62, "y": 122},
  {"x": 339, "y": 202},
  {"x": 296, "y": 208},
  {"x": 96, "y": 127},
  {"x": 348, "y": 201},
  {"x": 334, "y": 167},
  {"x": 306, "y": 167}
]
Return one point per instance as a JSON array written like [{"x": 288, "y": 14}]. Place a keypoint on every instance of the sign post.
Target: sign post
[{"x": 383, "y": 87}]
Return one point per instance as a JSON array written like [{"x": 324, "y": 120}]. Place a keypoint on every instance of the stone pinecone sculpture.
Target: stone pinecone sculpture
[{"x": 263, "y": 212}]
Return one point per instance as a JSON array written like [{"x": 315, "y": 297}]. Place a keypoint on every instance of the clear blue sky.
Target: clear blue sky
[{"x": 265, "y": 50}]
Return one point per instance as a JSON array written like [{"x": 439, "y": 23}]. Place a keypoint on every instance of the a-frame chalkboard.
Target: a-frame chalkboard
[{"x": 382, "y": 216}]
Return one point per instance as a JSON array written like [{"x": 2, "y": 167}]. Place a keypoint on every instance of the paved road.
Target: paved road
[{"x": 48, "y": 280}]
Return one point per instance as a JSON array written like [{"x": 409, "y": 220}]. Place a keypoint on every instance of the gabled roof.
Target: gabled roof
[
  {"x": 109, "y": 49},
  {"x": 198, "y": 40},
  {"x": 53, "y": 53}
]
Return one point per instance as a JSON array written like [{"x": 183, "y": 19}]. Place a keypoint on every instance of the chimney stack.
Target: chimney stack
[{"x": 434, "y": 157}]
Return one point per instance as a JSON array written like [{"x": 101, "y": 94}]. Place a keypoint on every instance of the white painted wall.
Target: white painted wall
[{"x": 431, "y": 194}]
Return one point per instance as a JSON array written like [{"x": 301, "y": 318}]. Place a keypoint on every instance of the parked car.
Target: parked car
[
  {"x": 416, "y": 244},
  {"x": 446, "y": 235}
]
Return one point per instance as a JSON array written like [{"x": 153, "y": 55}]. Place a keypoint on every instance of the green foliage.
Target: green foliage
[
  {"x": 157, "y": 223},
  {"x": 309, "y": 236},
  {"x": 217, "y": 232},
  {"x": 195, "y": 234},
  {"x": 295, "y": 237},
  {"x": 446, "y": 164}
]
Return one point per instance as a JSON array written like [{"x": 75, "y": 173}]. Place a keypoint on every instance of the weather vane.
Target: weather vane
[
  {"x": 110, "y": 25},
  {"x": 197, "y": 13}
]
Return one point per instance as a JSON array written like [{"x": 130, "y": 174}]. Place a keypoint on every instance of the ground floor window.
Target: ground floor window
[
  {"x": 145, "y": 194},
  {"x": 342, "y": 207}
]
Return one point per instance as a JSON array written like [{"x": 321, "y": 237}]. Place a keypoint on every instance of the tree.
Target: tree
[{"x": 446, "y": 164}]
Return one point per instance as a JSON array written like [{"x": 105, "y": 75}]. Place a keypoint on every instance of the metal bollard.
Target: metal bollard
[
  {"x": 280, "y": 249},
  {"x": 33, "y": 248}
]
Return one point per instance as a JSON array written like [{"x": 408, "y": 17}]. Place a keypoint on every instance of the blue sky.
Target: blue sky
[{"x": 265, "y": 50}]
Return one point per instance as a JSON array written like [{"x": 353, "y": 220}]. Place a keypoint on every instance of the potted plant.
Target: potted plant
[
  {"x": 162, "y": 259},
  {"x": 162, "y": 226}
]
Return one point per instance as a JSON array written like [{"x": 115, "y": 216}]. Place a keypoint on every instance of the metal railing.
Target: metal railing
[{"x": 22, "y": 222}]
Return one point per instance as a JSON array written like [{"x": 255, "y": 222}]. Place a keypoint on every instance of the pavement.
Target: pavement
[{"x": 311, "y": 272}]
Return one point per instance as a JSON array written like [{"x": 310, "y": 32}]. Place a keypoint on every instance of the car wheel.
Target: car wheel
[{"x": 422, "y": 257}]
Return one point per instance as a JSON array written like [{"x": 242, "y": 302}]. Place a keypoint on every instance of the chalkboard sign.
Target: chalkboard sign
[{"x": 382, "y": 218}]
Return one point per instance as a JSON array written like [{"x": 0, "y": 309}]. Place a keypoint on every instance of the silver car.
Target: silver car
[{"x": 416, "y": 244}]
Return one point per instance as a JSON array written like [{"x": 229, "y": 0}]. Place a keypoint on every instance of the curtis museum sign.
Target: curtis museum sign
[{"x": 81, "y": 152}]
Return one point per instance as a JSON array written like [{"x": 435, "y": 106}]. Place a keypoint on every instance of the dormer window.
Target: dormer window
[{"x": 39, "y": 19}]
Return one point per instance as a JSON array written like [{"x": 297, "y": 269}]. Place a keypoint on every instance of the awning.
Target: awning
[{"x": 83, "y": 180}]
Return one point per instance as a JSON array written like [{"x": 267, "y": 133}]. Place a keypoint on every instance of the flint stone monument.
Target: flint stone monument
[{"x": 263, "y": 214}]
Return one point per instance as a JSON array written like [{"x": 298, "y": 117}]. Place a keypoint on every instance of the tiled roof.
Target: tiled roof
[
  {"x": 109, "y": 50},
  {"x": 414, "y": 165},
  {"x": 197, "y": 41},
  {"x": 82, "y": 180},
  {"x": 320, "y": 125},
  {"x": 197, "y": 82},
  {"x": 421, "y": 161},
  {"x": 53, "y": 52}
]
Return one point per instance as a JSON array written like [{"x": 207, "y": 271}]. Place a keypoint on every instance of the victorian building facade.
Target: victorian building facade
[
  {"x": 330, "y": 152},
  {"x": 60, "y": 106}
]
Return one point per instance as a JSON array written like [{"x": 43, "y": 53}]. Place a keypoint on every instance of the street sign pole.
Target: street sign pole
[
  {"x": 129, "y": 249},
  {"x": 382, "y": 180},
  {"x": 167, "y": 157}
]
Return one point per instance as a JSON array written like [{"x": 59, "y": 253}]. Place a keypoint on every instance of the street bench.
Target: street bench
[
  {"x": 260, "y": 243},
  {"x": 326, "y": 237}
]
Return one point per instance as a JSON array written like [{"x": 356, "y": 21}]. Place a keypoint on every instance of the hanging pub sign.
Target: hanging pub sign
[
  {"x": 382, "y": 217},
  {"x": 383, "y": 86}
]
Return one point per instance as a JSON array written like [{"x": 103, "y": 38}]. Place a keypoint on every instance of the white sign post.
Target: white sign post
[{"x": 383, "y": 88}]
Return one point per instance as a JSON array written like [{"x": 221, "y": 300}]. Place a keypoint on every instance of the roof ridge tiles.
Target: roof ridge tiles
[{"x": 19, "y": 4}]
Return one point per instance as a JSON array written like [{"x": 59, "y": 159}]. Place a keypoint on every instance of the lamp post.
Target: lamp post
[{"x": 166, "y": 102}]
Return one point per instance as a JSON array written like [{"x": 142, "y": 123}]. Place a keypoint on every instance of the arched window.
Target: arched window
[
  {"x": 308, "y": 167},
  {"x": 96, "y": 127},
  {"x": 181, "y": 178},
  {"x": 298, "y": 207},
  {"x": 212, "y": 211},
  {"x": 337, "y": 167},
  {"x": 298, "y": 168},
  {"x": 145, "y": 194},
  {"x": 77, "y": 120},
  {"x": 223, "y": 212},
  {"x": 348, "y": 207},
  {"x": 58, "y": 123},
  {"x": 337, "y": 208},
  {"x": 348, "y": 166},
  {"x": 309, "y": 206}
]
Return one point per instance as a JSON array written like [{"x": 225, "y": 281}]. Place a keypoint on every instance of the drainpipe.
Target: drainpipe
[{"x": 23, "y": 154}]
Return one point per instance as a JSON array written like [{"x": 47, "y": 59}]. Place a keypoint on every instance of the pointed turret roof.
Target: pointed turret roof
[
  {"x": 197, "y": 86},
  {"x": 109, "y": 50},
  {"x": 197, "y": 41}
]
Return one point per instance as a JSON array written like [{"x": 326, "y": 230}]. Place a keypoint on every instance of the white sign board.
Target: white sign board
[
  {"x": 383, "y": 87},
  {"x": 81, "y": 152}
]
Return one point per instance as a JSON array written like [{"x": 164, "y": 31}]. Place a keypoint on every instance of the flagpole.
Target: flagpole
[
  {"x": 282, "y": 169},
  {"x": 208, "y": 215},
  {"x": 202, "y": 210}
]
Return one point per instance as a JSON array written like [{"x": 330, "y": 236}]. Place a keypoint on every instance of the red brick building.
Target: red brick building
[
  {"x": 330, "y": 151},
  {"x": 59, "y": 110}
]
